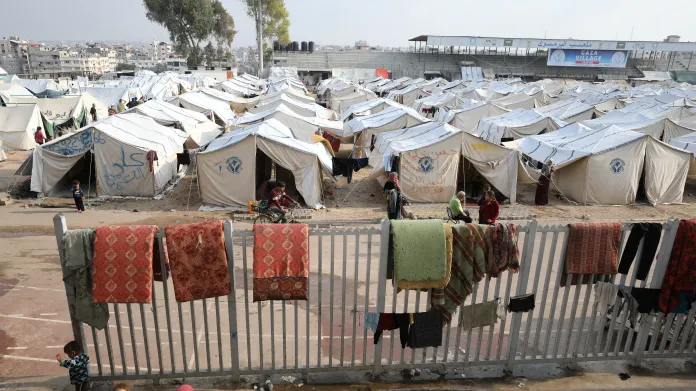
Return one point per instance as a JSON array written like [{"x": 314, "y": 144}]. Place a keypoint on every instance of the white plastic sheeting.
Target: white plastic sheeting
[
  {"x": 120, "y": 144},
  {"x": 199, "y": 129},
  {"x": 354, "y": 73},
  {"x": 604, "y": 166},
  {"x": 38, "y": 87},
  {"x": 18, "y": 125},
  {"x": 231, "y": 160},
  {"x": 472, "y": 73},
  {"x": 516, "y": 124}
]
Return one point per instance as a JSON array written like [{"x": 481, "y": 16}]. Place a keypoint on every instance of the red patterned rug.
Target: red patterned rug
[{"x": 281, "y": 261}]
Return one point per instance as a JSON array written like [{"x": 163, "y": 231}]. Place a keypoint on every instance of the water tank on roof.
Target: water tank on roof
[
  {"x": 276, "y": 46},
  {"x": 304, "y": 46},
  {"x": 311, "y": 46},
  {"x": 295, "y": 46}
]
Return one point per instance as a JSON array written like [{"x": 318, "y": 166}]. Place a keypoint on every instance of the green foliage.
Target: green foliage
[
  {"x": 210, "y": 54},
  {"x": 191, "y": 21},
  {"x": 275, "y": 17}
]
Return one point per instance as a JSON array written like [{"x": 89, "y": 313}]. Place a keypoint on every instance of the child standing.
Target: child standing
[
  {"x": 77, "y": 196},
  {"x": 78, "y": 365}
]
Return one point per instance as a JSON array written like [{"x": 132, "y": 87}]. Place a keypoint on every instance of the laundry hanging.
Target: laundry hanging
[
  {"x": 522, "y": 303},
  {"x": 504, "y": 253},
  {"x": 605, "y": 295},
  {"x": 198, "y": 260},
  {"x": 77, "y": 257},
  {"x": 680, "y": 276},
  {"x": 122, "y": 268},
  {"x": 157, "y": 260},
  {"x": 425, "y": 330},
  {"x": 281, "y": 262},
  {"x": 650, "y": 233},
  {"x": 479, "y": 315},
  {"x": 592, "y": 248},
  {"x": 420, "y": 254},
  {"x": 469, "y": 264}
]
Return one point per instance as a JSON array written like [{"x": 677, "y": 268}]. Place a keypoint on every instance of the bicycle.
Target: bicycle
[{"x": 266, "y": 216}]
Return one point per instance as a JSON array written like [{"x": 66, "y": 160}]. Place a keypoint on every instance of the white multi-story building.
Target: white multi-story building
[
  {"x": 53, "y": 61},
  {"x": 14, "y": 56},
  {"x": 160, "y": 50}
]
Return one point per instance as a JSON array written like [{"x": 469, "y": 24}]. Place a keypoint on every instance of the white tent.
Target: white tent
[
  {"x": 102, "y": 109},
  {"x": 367, "y": 108},
  {"x": 516, "y": 101},
  {"x": 120, "y": 145},
  {"x": 437, "y": 102},
  {"x": 388, "y": 119},
  {"x": 18, "y": 125},
  {"x": 407, "y": 95},
  {"x": 341, "y": 103},
  {"x": 111, "y": 95},
  {"x": 40, "y": 87},
  {"x": 15, "y": 94},
  {"x": 292, "y": 93},
  {"x": 569, "y": 111},
  {"x": 231, "y": 160},
  {"x": 604, "y": 166},
  {"x": 429, "y": 161},
  {"x": 302, "y": 127},
  {"x": 3, "y": 156},
  {"x": 236, "y": 89},
  {"x": 430, "y": 85},
  {"x": 60, "y": 111},
  {"x": 516, "y": 124},
  {"x": 199, "y": 128},
  {"x": 302, "y": 108},
  {"x": 687, "y": 143},
  {"x": 659, "y": 128},
  {"x": 202, "y": 101},
  {"x": 468, "y": 115}
]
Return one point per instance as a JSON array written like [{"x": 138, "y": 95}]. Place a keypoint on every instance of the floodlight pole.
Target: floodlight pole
[{"x": 259, "y": 31}]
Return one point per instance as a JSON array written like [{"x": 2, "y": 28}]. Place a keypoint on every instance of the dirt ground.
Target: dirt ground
[{"x": 362, "y": 201}]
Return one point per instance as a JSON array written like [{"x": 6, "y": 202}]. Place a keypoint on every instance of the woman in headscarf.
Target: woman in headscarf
[
  {"x": 490, "y": 210},
  {"x": 542, "y": 190},
  {"x": 393, "y": 190}
]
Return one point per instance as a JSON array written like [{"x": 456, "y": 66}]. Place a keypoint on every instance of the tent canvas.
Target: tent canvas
[
  {"x": 18, "y": 125},
  {"x": 111, "y": 95},
  {"x": 516, "y": 101},
  {"x": 515, "y": 124},
  {"x": 14, "y": 93},
  {"x": 302, "y": 127},
  {"x": 604, "y": 166},
  {"x": 58, "y": 111},
  {"x": 199, "y": 129},
  {"x": 389, "y": 119},
  {"x": 340, "y": 104},
  {"x": 231, "y": 160},
  {"x": 199, "y": 101},
  {"x": 467, "y": 118},
  {"x": 569, "y": 111},
  {"x": 120, "y": 145},
  {"x": 687, "y": 143},
  {"x": 367, "y": 108},
  {"x": 302, "y": 108},
  {"x": 407, "y": 95}
]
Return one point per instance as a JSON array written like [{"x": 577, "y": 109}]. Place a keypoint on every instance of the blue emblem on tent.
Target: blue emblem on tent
[
  {"x": 617, "y": 166},
  {"x": 234, "y": 165},
  {"x": 426, "y": 164}
]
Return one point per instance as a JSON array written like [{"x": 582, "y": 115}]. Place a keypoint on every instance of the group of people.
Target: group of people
[
  {"x": 489, "y": 208},
  {"x": 123, "y": 106}
]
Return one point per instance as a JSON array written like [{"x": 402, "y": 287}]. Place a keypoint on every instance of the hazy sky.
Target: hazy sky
[{"x": 380, "y": 22}]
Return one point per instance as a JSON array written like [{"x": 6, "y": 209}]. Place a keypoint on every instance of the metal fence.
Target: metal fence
[{"x": 232, "y": 336}]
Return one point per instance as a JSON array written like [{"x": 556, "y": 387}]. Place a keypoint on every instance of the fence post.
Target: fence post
[
  {"x": 61, "y": 227},
  {"x": 231, "y": 301},
  {"x": 523, "y": 277},
  {"x": 381, "y": 288},
  {"x": 658, "y": 274}
]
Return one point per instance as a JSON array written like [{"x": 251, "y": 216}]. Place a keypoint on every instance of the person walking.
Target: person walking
[
  {"x": 93, "y": 112},
  {"x": 490, "y": 210},
  {"x": 39, "y": 136},
  {"x": 542, "y": 191},
  {"x": 392, "y": 188}
]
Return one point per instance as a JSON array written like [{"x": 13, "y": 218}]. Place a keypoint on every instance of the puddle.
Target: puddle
[{"x": 7, "y": 235}]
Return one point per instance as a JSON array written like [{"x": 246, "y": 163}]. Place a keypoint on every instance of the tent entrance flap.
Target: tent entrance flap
[
  {"x": 84, "y": 171},
  {"x": 471, "y": 180},
  {"x": 263, "y": 175}
]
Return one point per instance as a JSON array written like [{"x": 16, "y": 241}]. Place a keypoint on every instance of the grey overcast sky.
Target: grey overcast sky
[{"x": 380, "y": 22}]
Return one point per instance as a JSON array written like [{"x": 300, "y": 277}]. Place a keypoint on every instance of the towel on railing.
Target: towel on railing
[
  {"x": 471, "y": 244},
  {"x": 420, "y": 254},
  {"x": 592, "y": 248},
  {"x": 479, "y": 315},
  {"x": 503, "y": 252},
  {"x": 76, "y": 257},
  {"x": 281, "y": 262},
  {"x": 122, "y": 269},
  {"x": 198, "y": 260},
  {"x": 680, "y": 276}
]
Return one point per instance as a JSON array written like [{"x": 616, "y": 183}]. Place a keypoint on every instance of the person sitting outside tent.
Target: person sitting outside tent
[
  {"x": 121, "y": 106},
  {"x": 394, "y": 201},
  {"x": 542, "y": 191},
  {"x": 39, "y": 136},
  {"x": 481, "y": 200},
  {"x": 93, "y": 112},
  {"x": 275, "y": 201},
  {"x": 490, "y": 210},
  {"x": 458, "y": 213}
]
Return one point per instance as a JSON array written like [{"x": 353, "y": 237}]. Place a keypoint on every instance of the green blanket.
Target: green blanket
[{"x": 419, "y": 250}]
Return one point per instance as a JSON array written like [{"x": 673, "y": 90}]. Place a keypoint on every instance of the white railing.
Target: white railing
[{"x": 232, "y": 336}]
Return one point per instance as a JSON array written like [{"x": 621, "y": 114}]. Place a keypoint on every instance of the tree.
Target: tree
[
  {"x": 210, "y": 54},
  {"x": 275, "y": 17},
  {"x": 190, "y": 22}
]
